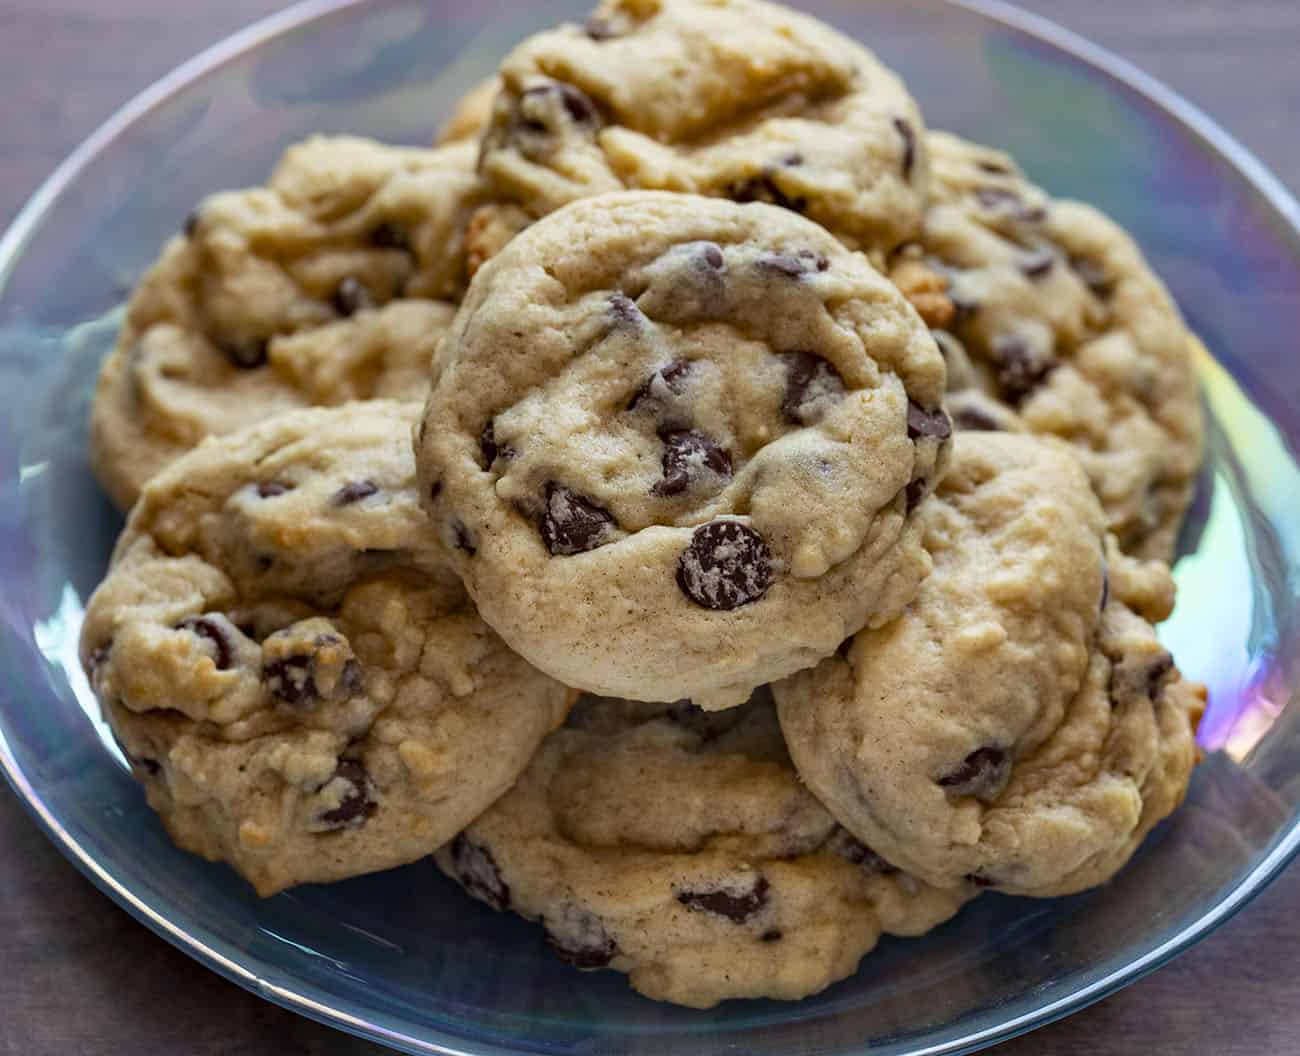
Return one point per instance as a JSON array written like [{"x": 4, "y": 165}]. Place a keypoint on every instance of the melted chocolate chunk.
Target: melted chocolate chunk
[
  {"x": 624, "y": 311},
  {"x": 1037, "y": 264},
  {"x": 982, "y": 774},
  {"x": 580, "y": 938},
  {"x": 737, "y": 908},
  {"x": 1160, "y": 668},
  {"x": 672, "y": 377},
  {"x": 354, "y": 491},
  {"x": 921, "y": 422},
  {"x": 904, "y": 129},
  {"x": 269, "y": 489},
  {"x": 793, "y": 265},
  {"x": 1010, "y": 202},
  {"x": 726, "y": 565},
  {"x": 689, "y": 456},
  {"x": 351, "y": 296},
  {"x": 854, "y": 850},
  {"x": 710, "y": 256},
  {"x": 213, "y": 632},
  {"x": 915, "y": 492},
  {"x": 571, "y": 523},
  {"x": 994, "y": 167},
  {"x": 972, "y": 419},
  {"x": 388, "y": 235},
  {"x": 1019, "y": 369},
  {"x": 1092, "y": 275},
  {"x": 191, "y": 226},
  {"x": 435, "y": 489},
  {"x": 575, "y": 102},
  {"x": 765, "y": 188},
  {"x": 290, "y": 679},
  {"x": 599, "y": 29},
  {"x": 487, "y": 444},
  {"x": 1105, "y": 591},
  {"x": 810, "y": 381},
  {"x": 477, "y": 872},
  {"x": 358, "y": 802},
  {"x": 247, "y": 354},
  {"x": 771, "y": 935},
  {"x": 463, "y": 539}
]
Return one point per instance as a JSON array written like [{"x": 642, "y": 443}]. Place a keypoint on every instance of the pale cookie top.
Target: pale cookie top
[
  {"x": 1019, "y": 726},
  {"x": 676, "y": 444},
  {"x": 332, "y": 283},
  {"x": 299, "y": 681},
  {"x": 1056, "y": 325},
  {"x": 680, "y": 847},
  {"x": 736, "y": 99}
]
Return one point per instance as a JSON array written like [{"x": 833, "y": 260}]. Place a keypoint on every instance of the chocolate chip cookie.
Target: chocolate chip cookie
[
  {"x": 296, "y": 677},
  {"x": 332, "y": 283},
  {"x": 1054, "y": 324},
  {"x": 737, "y": 99},
  {"x": 676, "y": 445},
  {"x": 1019, "y": 726},
  {"x": 679, "y": 846}
]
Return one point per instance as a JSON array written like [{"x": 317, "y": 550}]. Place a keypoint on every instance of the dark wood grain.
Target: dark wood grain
[{"x": 81, "y": 977}]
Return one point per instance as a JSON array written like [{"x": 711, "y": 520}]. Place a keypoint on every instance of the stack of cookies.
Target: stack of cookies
[{"x": 717, "y": 518}]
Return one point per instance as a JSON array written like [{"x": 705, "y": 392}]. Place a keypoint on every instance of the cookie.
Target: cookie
[
  {"x": 1054, "y": 324},
  {"x": 677, "y": 442},
  {"x": 680, "y": 847},
  {"x": 298, "y": 680},
  {"x": 1019, "y": 726},
  {"x": 332, "y": 283},
  {"x": 736, "y": 99}
]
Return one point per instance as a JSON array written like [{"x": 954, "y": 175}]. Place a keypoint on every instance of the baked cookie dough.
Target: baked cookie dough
[
  {"x": 1054, "y": 324},
  {"x": 680, "y": 847},
  {"x": 676, "y": 445},
  {"x": 296, "y": 677},
  {"x": 736, "y": 99},
  {"x": 1019, "y": 726},
  {"x": 332, "y": 283}
]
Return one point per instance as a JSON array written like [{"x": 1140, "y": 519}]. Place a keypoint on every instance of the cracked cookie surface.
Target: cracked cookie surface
[{"x": 297, "y": 678}]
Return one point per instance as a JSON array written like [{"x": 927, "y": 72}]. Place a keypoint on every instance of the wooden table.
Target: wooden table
[{"x": 79, "y": 976}]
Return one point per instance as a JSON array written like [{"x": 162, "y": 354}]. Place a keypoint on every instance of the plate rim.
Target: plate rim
[{"x": 23, "y": 227}]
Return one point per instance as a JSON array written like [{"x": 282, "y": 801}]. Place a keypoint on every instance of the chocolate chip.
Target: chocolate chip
[
  {"x": 599, "y": 29},
  {"x": 1160, "y": 667},
  {"x": 214, "y": 633},
  {"x": 809, "y": 382},
  {"x": 1037, "y": 264},
  {"x": 853, "y": 850},
  {"x": 793, "y": 265},
  {"x": 982, "y": 774},
  {"x": 972, "y": 419},
  {"x": 625, "y": 311},
  {"x": 672, "y": 377},
  {"x": 576, "y": 104},
  {"x": 351, "y": 296},
  {"x": 980, "y": 880},
  {"x": 764, "y": 188},
  {"x": 388, "y": 235},
  {"x": 580, "y": 938},
  {"x": 191, "y": 226},
  {"x": 921, "y": 422},
  {"x": 1010, "y": 202},
  {"x": 487, "y": 444},
  {"x": 435, "y": 489},
  {"x": 477, "y": 872},
  {"x": 1105, "y": 592},
  {"x": 1093, "y": 276},
  {"x": 149, "y": 766},
  {"x": 904, "y": 129},
  {"x": 994, "y": 167},
  {"x": 571, "y": 523},
  {"x": 354, "y": 492},
  {"x": 463, "y": 539},
  {"x": 726, "y": 565},
  {"x": 792, "y": 160},
  {"x": 688, "y": 455},
  {"x": 290, "y": 679},
  {"x": 845, "y": 647},
  {"x": 357, "y": 803},
  {"x": 269, "y": 489},
  {"x": 1019, "y": 369},
  {"x": 710, "y": 254},
  {"x": 771, "y": 935},
  {"x": 737, "y": 908},
  {"x": 915, "y": 492},
  {"x": 246, "y": 354}
]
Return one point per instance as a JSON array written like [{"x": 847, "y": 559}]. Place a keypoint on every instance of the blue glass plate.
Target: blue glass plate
[{"x": 403, "y": 957}]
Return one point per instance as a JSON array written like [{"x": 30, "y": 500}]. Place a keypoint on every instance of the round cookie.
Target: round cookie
[
  {"x": 680, "y": 847},
  {"x": 1054, "y": 324},
  {"x": 298, "y": 680},
  {"x": 332, "y": 283},
  {"x": 1019, "y": 726},
  {"x": 676, "y": 445},
  {"x": 737, "y": 99}
]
